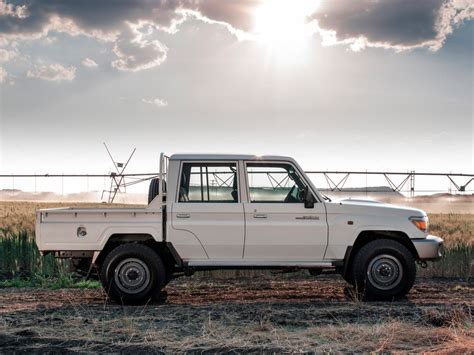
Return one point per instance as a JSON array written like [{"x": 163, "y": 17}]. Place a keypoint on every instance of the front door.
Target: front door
[
  {"x": 208, "y": 208},
  {"x": 278, "y": 226}
]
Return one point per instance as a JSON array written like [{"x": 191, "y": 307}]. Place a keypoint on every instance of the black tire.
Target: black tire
[
  {"x": 348, "y": 278},
  {"x": 133, "y": 274},
  {"x": 383, "y": 270},
  {"x": 168, "y": 279}
]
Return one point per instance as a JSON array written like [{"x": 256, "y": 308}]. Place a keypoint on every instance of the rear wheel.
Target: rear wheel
[
  {"x": 133, "y": 274},
  {"x": 383, "y": 270}
]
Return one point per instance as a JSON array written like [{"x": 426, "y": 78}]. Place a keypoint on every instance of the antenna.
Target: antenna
[{"x": 117, "y": 180}]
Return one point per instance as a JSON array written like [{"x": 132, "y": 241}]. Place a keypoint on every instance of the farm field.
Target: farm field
[
  {"x": 18, "y": 254},
  {"x": 20, "y": 215},
  {"x": 251, "y": 311}
]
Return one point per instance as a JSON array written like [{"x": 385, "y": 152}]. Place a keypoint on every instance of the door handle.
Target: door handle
[
  {"x": 259, "y": 215},
  {"x": 183, "y": 215}
]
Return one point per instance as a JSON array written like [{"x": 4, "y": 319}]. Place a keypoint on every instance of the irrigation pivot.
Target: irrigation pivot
[{"x": 117, "y": 178}]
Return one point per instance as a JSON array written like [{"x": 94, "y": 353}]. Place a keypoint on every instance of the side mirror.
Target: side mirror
[{"x": 308, "y": 198}]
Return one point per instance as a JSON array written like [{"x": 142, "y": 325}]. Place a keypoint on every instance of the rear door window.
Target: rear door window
[{"x": 209, "y": 183}]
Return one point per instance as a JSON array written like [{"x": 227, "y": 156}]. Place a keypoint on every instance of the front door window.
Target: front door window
[{"x": 274, "y": 183}]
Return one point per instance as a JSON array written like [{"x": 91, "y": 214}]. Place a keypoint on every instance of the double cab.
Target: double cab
[{"x": 214, "y": 211}]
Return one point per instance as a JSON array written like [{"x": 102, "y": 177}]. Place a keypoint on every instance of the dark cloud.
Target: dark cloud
[
  {"x": 107, "y": 20},
  {"x": 399, "y": 24},
  {"x": 88, "y": 15},
  {"x": 237, "y": 13}
]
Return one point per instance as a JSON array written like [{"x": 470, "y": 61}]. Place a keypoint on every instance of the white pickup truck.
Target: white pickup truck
[{"x": 239, "y": 212}]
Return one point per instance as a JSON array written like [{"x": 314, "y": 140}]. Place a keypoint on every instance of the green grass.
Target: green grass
[
  {"x": 20, "y": 258},
  {"x": 53, "y": 283},
  {"x": 21, "y": 264},
  {"x": 456, "y": 262}
]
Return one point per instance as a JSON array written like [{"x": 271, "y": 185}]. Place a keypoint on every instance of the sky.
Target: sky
[{"x": 337, "y": 84}]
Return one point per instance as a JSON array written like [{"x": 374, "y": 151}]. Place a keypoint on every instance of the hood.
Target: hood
[
  {"x": 360, "y": 201},
  {"x": 378, "y": 207}
]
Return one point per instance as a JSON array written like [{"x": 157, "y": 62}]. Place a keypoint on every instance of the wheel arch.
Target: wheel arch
[
  {"x": 164, "y": 249},
  {"x": 367, "y": 236}
]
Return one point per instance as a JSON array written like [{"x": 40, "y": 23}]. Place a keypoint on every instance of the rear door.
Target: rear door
[
  {"x": 278, "y": 226},
  {"x": 208, "y": 206}
]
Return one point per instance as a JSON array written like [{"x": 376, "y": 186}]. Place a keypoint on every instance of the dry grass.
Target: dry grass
[
  {"x": 227, "y": 327},
  {"x": 242, "y": 315},
  {"x": 454, "y": 228},
  {"x": 457, "y": 230},
  {"x": 20, "y": 215}
]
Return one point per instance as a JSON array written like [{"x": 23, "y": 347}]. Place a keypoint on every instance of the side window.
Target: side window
[
  {"x": 277, "y": 183},
  {"x": 208, "y": 182}
]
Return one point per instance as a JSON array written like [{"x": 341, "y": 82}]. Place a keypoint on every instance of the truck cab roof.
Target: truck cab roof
[{"x": 184, "y": 156}]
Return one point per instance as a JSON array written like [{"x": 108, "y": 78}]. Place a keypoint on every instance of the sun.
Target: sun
[{"x": 284, "y": 20}]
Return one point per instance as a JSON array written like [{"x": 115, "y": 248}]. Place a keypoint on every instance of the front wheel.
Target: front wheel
[
  {"x": 133, "y": 274},
  {"x": 383, "y": 270}
]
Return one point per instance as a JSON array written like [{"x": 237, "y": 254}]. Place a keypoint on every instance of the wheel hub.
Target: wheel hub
[
  {"x": 385, "y": 272},
  {"x": 132, "y": 275}
]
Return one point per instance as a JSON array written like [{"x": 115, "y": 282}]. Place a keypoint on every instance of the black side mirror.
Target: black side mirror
[{"x": 308, "y": 198}]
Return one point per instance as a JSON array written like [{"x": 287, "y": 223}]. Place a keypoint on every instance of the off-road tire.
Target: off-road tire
[
  {"x": 348, "y": 278},
  {"x": 383, "y": 270},
  {"x": 153, "y": 189},
  {"x": 129, "y": 260}
]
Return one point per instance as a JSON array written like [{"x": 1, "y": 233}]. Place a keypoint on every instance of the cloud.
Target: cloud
[
  {"x": 12, "y": 10},
  {"x": 50, "y": 40},
  {"x": 453, "y": 13},
  {"x": 117, "y": 22},
  {"x": 396, "y": 24},
  {"x": 3, "y": 75},
  {"x": 89, "y": 63},
  {"x": 53, "y": 72},
  {"x": 390, "y": 24},
  {"x": 156, "y": 102},
  {"x": 135, "y": 52},
  {"x": 6, "y": 55},
  {"x": 239, "y": 14}
]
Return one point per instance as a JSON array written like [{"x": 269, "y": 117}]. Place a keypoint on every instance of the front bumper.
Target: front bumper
[{"x": 429, "y": 248}]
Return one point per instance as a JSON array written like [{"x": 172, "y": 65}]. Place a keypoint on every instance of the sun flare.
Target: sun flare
[{"x": 283, "y": 20}]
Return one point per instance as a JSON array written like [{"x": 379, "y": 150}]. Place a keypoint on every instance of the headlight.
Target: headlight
[{"x": 420, "y": 222}]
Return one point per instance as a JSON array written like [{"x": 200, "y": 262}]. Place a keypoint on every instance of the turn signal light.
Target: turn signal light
[{"x": 421, "y": 223}]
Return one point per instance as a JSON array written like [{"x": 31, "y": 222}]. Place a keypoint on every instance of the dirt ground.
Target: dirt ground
[{"x": 241, "y": 315}]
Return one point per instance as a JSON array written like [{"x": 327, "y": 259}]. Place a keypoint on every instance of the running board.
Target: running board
[{"x": 256, "y": 264}]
